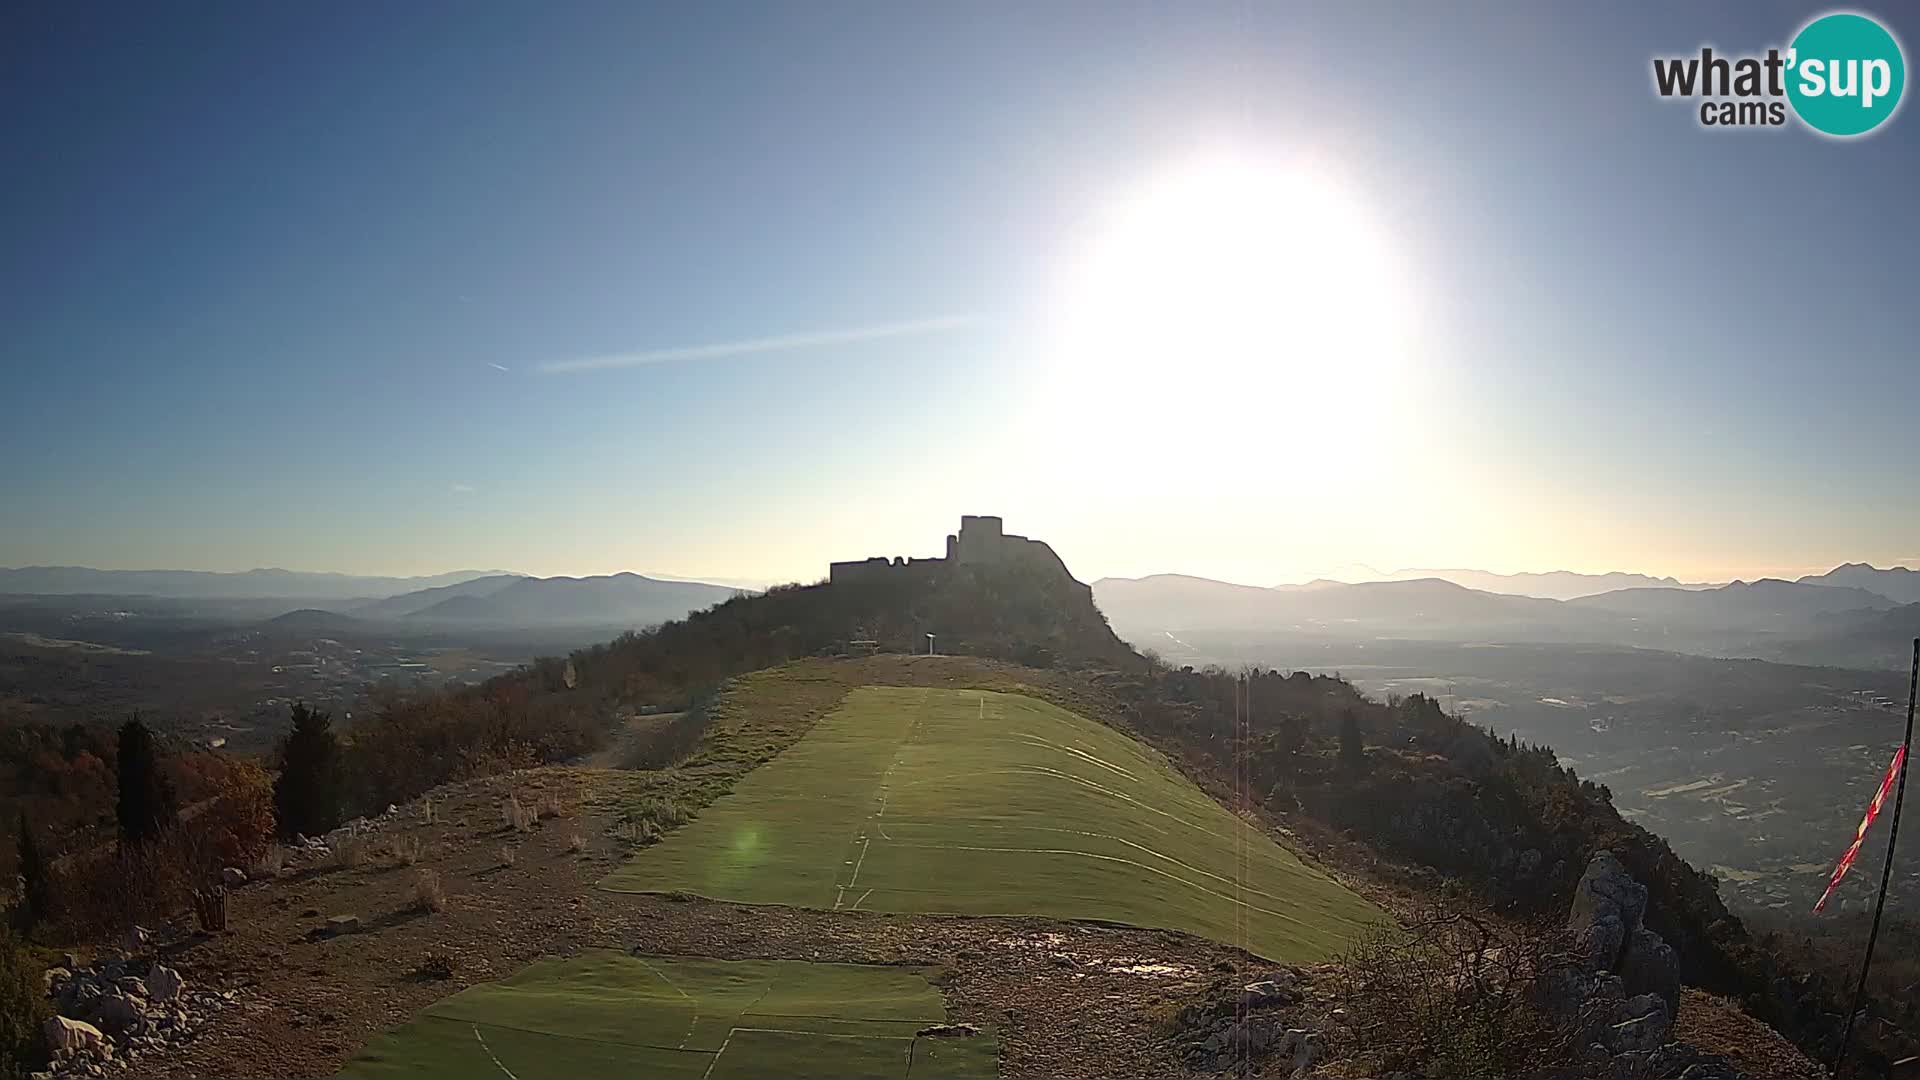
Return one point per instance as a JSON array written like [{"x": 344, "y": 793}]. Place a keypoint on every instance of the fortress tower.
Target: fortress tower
[{"x": 981, "y": 541}]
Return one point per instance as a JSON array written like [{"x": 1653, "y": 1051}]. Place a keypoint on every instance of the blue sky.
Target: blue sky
[{"x": 264, "y": 266}]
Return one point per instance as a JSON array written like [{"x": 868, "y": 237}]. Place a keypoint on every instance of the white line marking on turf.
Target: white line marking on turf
[
  {"x": 482, "y": 1040},
  {"x": 862, "y": 900},
  {"x": 676, "y": 989},
  {"x": 822, "y": 1034},
  {"x": 855, "y": 879},
  {"x": 716, "y": 1054}
]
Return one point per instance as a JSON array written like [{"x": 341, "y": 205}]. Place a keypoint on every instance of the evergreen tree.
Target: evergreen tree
[
  {"x": 33, "y": 877},
  {"x": 147, "y": 806},
  {"x": 306, "y": 796},
  {"x": 1352, "y": 746},
  {"x": 23, "y": 1008}
]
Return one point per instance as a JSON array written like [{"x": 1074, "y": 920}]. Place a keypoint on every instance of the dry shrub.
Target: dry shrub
[
  {"x": 408, "y": 850},
  {"x": 515, "y": 815},
  {"x": 1453, "y": 995},
  {"x": 551, "y": 806},
  {"x": 349, "y": 852},
  {"x": 508, "y": 854},
  {"x": 238, "y": 821},
  {"x": 99, "y": 895},
  {"x": 428, "y": 895},
  {"x": 269, "y": 864},
  {"x": 426, "y": 811},
  {"x": 436, "y": 965},
  {"x": 576, "y": 844}
]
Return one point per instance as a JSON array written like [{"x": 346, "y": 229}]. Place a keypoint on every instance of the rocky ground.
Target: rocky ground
[{"x": 301, "y": 986}]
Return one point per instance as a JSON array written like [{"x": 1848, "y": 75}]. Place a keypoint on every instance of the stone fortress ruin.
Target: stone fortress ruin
[{"x": 981, "y": 541}]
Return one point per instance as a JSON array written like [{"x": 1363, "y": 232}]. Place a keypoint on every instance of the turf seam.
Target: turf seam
[
  {"x": 1235, "y": 882},
  {"x": 1114, "y": 859},
  {"x": 561, "y": 1035}
]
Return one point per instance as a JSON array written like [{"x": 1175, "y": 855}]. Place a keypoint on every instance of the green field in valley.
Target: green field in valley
[
  {"x": 610, "y": 1014},
  {"x": 978, "y": 803}
]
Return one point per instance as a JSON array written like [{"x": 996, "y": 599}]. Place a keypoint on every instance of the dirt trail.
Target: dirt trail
[{"x": 636, "y": 727}]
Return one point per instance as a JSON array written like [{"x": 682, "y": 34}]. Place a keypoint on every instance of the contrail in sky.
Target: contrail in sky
[{"x": 751, "y": 346}]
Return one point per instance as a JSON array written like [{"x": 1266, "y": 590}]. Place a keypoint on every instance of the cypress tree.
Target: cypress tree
[
  {"x": 147, "y": 806},
  {"x": 306, "y": 795},
  {"x": 1352, "y": 745},
  {"x": 33, "y": 876}
]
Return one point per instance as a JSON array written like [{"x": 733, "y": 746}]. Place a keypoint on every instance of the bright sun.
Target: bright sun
[{"x": 1232, "y": 289}]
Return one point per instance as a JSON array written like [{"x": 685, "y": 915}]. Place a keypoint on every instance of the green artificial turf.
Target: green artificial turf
[
  {"x": 979, "y": 803},
  {"x": 610, "y": 1014}
]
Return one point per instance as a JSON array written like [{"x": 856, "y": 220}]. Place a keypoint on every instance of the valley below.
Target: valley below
[{"x": 1755, "y": 771}]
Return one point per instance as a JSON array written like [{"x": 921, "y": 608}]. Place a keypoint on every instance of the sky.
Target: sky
[{"x": 730, "y": 291}]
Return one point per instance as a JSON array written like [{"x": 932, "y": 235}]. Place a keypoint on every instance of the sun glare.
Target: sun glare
[{"x": 1223, "y": 284}]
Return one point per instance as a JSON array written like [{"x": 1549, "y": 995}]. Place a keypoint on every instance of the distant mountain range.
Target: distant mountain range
[
  {"x": 467, "y": 599},
  {"x": 610, "y": 600},
  {"x": 408, "y": 603},
  {"x": 1173, "y": 601},
  {"x": 203, "y": 584},
  {"x": 1739, "y": 602},
  {"x": 1768, "y": 617},
  {"x": 1896, "y": 583},
  {"x": 1552, "y": 585}
]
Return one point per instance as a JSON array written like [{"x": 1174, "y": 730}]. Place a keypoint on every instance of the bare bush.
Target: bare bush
[
  {"x": 269, "y": 864},
  {"x": 508, "y": 854},
  {"x": 1453, "y": 995},
  {"x": 435, "y": 965},
  {"x": 428, "y": 895},
  {"x": 426, "y": 811},
  {"x": 515, "y": 815},
  {"x": 576, "y": 844},
  {"x": 408, "y": 850},
  {"x": 348, "y": 852},
  {"x": 551, "y": 806},
  {"x": 99, "y": 895}
]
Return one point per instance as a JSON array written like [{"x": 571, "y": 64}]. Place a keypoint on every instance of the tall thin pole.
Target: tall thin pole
[{"x": 1886, "y": 872}]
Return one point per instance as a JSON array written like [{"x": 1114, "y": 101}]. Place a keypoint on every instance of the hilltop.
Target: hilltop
[{"x": 1002, "y": 761}]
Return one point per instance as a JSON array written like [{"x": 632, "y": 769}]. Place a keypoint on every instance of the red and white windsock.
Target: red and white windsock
[{"x": 1860, "y": 837}]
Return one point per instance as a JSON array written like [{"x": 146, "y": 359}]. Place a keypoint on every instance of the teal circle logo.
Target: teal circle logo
[{"x": 1845, "y": 73}]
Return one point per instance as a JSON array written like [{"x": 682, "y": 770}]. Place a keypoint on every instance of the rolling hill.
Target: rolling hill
[
  {"x": 396, "y": 607},
  {"x": 1768, "y": 604},
  {"x": 1408, "y": 608},
  {"x": 613, "y": 600},
  {"x": 203, "y": 584},
  {"x": 1551, "y": 585}
]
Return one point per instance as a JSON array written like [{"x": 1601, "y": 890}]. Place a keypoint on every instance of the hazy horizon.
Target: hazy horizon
[
  {"x": 1350, "y": 574},
  {"x": 740, "y": 292}
]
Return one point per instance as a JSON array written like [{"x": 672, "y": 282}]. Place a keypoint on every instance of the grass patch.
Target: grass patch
[
  {"x": 983, "y": 803},
  {"x": 607, "y": 1014}
]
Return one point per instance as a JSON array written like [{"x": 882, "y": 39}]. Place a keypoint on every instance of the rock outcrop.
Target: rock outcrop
[
  {"x": 1624, "y": 985},
  {"x": 116, "y": 1009}
]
